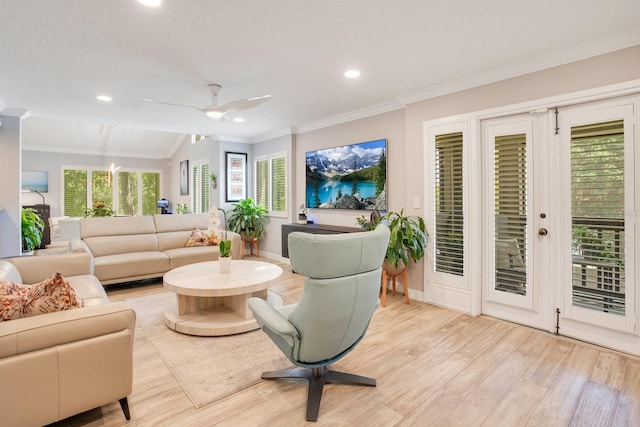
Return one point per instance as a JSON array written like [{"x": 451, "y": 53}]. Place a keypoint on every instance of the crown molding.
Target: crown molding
[
  {"x": 238, "y": 139},
  {"x": 13, "y": 112},
  {"x": 353, "y": 115},
  {"x": 286, "y": 131}
]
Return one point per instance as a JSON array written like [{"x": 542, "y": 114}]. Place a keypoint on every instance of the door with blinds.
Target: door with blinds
[
  {"x": 597, "y": 293},
  {"x": 516, "y": 204},
  {"x": 560, "y": 221}
]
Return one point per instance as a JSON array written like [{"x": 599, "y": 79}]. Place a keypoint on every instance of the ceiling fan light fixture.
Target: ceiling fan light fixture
[{"x": 215, "y": 114}]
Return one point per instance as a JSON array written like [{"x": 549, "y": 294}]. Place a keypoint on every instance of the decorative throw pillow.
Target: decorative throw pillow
[
  {"x": 198, "y": 238},
  {"x": 50, "y": 295}
]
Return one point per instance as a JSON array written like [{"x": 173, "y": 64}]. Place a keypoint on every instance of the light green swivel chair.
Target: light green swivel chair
[{"x": 340, "y": 296}]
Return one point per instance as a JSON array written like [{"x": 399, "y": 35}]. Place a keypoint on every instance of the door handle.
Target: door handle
[{"x": 543, "y": 232}]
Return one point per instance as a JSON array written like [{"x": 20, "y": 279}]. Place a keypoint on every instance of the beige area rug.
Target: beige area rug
[{"x": 207, "y": 368}]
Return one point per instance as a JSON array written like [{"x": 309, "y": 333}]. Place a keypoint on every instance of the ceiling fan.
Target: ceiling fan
[{"x": 216, "y": 111}]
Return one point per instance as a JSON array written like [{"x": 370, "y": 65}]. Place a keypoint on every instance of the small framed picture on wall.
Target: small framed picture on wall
[
  {"x": 184, "y": 178},
  {"x": 236, "y": 168}
]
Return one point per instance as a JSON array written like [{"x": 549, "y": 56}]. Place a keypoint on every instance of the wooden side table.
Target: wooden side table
[
  {"x": 252, "y": 242},
  {"x": 405, "y": 286}
]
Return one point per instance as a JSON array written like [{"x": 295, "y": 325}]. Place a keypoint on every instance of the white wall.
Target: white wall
[{"x": 10, "y": 215}]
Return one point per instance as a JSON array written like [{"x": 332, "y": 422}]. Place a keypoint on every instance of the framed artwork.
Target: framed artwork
[
  {"x": 35, "y": 181},
  {"x": 236, "y": 166},
  {"x": 184, "y": 178}
]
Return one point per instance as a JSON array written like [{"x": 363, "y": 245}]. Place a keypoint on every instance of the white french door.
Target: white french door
[
  {"x": 560, "y": 221},
  {"x": 516, "y": 206}
]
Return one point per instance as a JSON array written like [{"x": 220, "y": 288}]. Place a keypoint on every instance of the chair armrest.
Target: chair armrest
[
  {"x": 265, "y": 314},
  {"x": 37, "y": 268},
  {"x": 49, "y": 330}
]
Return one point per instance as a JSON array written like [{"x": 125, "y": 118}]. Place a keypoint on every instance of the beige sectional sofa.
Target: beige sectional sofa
[
  {"x": 56, "y": 365},
  {"x": 142, "y": 247}
]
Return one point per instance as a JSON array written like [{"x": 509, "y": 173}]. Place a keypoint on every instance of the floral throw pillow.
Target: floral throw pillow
[
  {"x": 51, "y": 295},
  {"x": 198, "y": 238}
]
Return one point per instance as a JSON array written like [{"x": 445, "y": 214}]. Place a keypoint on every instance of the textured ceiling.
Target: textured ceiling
[{"x": 57, "y": 55}]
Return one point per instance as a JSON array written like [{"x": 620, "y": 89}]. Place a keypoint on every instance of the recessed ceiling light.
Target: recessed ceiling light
[
  {"x": 150, "y": 3},
  {"x": 352, "y": 74},
  {"x": 238, "y": 120},
  {"x": 104, "y": 98}
]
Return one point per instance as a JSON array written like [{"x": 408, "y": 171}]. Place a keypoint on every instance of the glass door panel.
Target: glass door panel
[
  {"x": 510, "y": 210},
  {"x": 597, "y": 156}
]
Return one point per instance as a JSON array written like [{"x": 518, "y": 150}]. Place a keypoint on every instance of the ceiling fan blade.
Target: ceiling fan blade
[
  {"x": 244, "y": 104},
  {"x": 170, "y": 103}
]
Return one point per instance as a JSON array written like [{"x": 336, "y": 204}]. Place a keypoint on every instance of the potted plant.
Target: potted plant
[
  {"x": 225, "y": 256},
  {"x": 248, "y": 219},
  {"x": 407, "y": 239},
  {"x": 32, "y": 229},
  {"x": 182, "y": 208},
  {"x": 214, "y": 180}
]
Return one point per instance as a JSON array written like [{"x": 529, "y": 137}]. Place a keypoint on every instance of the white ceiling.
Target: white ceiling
[{"x": 57, "y": 55}]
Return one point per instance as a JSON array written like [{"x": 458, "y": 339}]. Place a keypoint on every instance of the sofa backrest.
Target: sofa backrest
[
  {"x": 174, "y": 230},
  {"x": 118, "y": 235},
  {"x": 9, "y": 272}
]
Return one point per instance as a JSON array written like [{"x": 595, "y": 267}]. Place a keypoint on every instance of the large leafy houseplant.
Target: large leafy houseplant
[
  {"x": 248, "y": 219},
  {"x": 32, "y": 229},
  {"x": 407, "y": 238}
]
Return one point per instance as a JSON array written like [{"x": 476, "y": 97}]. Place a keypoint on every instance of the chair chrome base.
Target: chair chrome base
[{"x": 317, "y": 378}]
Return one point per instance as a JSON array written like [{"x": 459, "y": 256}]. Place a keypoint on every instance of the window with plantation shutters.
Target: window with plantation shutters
[
  {"x": 150, "y": 192},
  {"x": 448, "y": 192},
  {"x": 279, "y": 185},
  {"x": 271, "y": 183},
  {"x": 200, "y": 191},
  {"x": 75, "y": 192},
  {"x": 510, "y": 210},
  {"x": 262, "y": 182},
  {"x": 120, "y": 191},
  {"x": 597, "y": 213},
  {"x": 127, "y": 193}
]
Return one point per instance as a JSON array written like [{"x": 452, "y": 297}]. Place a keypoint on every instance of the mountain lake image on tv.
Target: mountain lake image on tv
[{"x": 348, "y": 177}]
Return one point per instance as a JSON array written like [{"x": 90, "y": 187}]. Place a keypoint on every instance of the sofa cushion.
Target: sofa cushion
[
  {"x": 183, "y": 256},
  {"x": 168, "y": 223},
  {"x": 51, "y": 295},
  {"x": 121, "y": 244},
  {"x": 131, "y": 265}
]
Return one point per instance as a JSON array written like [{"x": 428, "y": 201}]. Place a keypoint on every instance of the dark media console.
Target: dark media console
[{"x": 313, "y": 229}]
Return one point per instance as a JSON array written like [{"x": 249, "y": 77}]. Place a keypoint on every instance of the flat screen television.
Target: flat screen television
[
  {"x": 163, "y": 204},
  {"x": 348, "y": 177}
]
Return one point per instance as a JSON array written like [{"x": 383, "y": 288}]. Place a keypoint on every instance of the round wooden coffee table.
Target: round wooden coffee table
[{"x": 210, "y": 303}]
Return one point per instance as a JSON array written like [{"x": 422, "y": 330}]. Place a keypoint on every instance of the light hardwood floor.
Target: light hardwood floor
[{"x": 434, "y": 367}]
